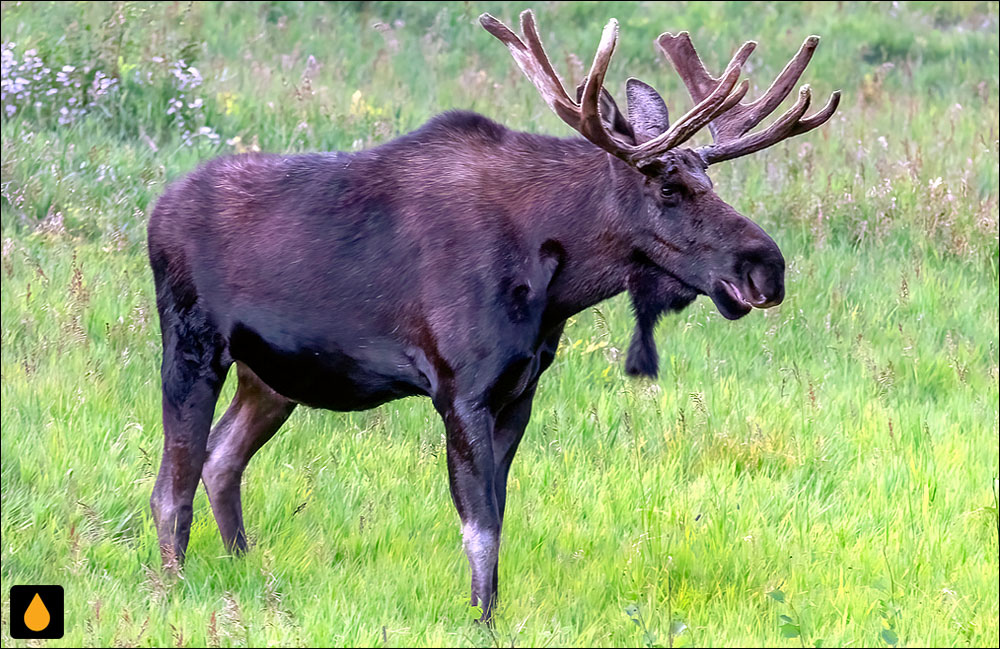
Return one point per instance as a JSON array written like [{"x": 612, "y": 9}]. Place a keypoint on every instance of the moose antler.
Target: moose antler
[
  {"x": 729, "y": 128},
  {"x": 585, "y": 116}
]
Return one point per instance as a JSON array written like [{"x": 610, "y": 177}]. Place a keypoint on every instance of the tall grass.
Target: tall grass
[{"x": 822, "y": 472}]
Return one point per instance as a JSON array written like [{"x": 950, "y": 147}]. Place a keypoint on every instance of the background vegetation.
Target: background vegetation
[{"x": 820, "y": 473}]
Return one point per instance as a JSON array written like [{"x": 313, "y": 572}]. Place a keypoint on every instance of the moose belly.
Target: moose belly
[{"x": 328, "y": 377}]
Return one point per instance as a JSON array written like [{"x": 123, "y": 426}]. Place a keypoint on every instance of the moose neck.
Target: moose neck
[{"x": 589, "y": 218}]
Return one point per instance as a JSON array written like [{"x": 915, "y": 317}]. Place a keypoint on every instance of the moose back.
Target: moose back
[{"x": 445, "y": 264}]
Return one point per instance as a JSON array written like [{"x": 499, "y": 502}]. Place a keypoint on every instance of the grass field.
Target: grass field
[{"x": 821, "y": 473}]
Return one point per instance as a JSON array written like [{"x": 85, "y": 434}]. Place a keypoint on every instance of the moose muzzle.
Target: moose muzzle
[{"x": 757, "y": 280}]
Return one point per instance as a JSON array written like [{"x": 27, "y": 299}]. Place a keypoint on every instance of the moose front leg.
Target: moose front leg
[{"x": 469, "y": 433}]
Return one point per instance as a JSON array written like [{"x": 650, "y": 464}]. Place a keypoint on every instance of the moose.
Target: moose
[{"x": 445, "y": 263}]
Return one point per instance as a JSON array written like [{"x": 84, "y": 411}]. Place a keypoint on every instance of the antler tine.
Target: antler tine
[
  {"x": 730, "y": 126},
  {"x": 782, "y": 85},
  {"x": 779, "y": 130},
  {"x": 788, "y": 125},
  {"x": 587, "y": 119},
  {"x": 686, "y": 61},
  {"x": 592, "y": 126},
  {"x": 530, "y": 31},
  {"x": 818, "y": 118},
  {"x": 692, "y": 72},
  {"x": 539, "y": 73},
  {"x": 736, "y": 97},
  {"x": 534, "y": 62}
]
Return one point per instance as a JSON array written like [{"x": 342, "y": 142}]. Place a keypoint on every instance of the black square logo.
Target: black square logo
[{"x": 36, "y": 612}]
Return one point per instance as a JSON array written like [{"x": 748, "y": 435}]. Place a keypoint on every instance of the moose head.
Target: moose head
[{"x": 686, "y": 240}]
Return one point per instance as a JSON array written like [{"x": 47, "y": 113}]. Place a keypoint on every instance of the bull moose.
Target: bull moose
[{"x": 445, "y": 263}]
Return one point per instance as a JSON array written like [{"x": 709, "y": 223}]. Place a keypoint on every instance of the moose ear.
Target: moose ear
[
  {"x": 613, "y": 118},
  {"x": 647, "y": 113}
]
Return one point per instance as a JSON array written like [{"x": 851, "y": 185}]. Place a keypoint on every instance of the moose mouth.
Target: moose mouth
[
  {"x": 729, "y": 300},
  {"x": 732, "y": 301}
]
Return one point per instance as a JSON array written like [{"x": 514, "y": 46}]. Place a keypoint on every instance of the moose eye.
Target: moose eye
[{"x": 669, "y": 192}]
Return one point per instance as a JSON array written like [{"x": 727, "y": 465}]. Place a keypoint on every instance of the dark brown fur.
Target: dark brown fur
[{"x": 444, "y": 264}]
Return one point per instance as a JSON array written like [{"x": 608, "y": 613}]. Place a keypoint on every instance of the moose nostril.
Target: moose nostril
[
  {"x": 763, "y": 269},
  {"x": 756, "y": 296},
  {"x": 765, "y": 286}
]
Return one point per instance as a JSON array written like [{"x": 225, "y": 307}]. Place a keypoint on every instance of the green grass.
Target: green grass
[{"x": 838, "y": 453}]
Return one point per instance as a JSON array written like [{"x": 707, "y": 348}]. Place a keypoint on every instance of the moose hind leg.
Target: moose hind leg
[
  {"x": 192, "y": 374},
  {"x": 254, "y": 416}
]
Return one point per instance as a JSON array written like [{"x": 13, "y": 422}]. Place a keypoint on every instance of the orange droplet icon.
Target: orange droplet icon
[{"x": 36, "y": 617}]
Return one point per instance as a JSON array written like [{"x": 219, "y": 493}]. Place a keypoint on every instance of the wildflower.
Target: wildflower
[{"x": 207, "y": 131}]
